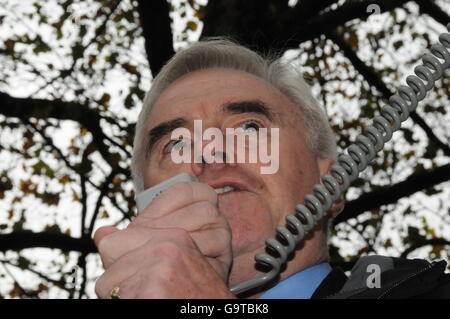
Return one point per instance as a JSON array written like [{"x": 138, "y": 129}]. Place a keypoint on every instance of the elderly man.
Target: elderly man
[{"x": 198, "y": 239}]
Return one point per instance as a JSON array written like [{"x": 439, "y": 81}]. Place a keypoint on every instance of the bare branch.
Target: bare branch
[
  {"x": 157, "y": 32},
  {"x": 434, "y": 11},
  {"x": 25, "y": 108},
  {"x": 258, "y": 24},
  {"x": 432, "y": 241},
  {"x": 391, "y": 194},
  {"x": 24, "y": 291},
  {"x": 330, "y": 20},
  {"x": 84, "y": 199},
  {"x": 69, "y": 165},
  {"x": 82, "y": 265},
  {"x": 308, "y": 8},
  {"x": 28, "y": 239},
  {"x": 373, "y": 79},
  {"x": 58, "y": 283},
  {"x": 103, "y": 192}
]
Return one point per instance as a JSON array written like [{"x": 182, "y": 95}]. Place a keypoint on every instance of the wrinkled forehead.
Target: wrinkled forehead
[{"x": 208, "y": 89}]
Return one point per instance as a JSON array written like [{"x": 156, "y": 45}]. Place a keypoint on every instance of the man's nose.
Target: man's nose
[{"x": 213, "y": 161}]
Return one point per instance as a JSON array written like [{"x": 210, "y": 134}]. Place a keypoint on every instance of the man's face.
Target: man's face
[{"x": 218, "y": 97}]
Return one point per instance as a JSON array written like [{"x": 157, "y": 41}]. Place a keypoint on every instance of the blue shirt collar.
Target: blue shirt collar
[{"x": 300, "y": 285}]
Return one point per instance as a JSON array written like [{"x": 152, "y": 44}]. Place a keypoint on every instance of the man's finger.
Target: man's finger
[
  {"x": 167, "y": 244},
  {"x": 178, "y": 196},
  {"x": 121, "y": 242},
  {"x": 103, "y": 232}
]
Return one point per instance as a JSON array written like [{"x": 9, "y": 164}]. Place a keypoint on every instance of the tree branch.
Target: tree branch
[
  {"x": 255, "y": 23},
  {"x": 69, "y": 165},
  {"x": 308, "y": 8},
  {"x": 432, "y": 241},
  {"x": 297, "y": 32},
  {"x": 24, "y": 292},
  {"x": 82, "y": 265},
  {"x": 27, "y": 239},
  {"x": 84, "y": 199},
  {"x": 373, "y": 79},
  {"x": 111, "y": 8},
  {"x": 25, "y": 108},
  {"x": 103, "y": 192},
  {"x": 58, "y": 283},
  {"x": 268, "y": 25},
  {"x": 368, "y": 201},
  {"x": 434, "y": 11},
  {"x": 391, "y": 194},
  {"x": 157, "y": 32}
]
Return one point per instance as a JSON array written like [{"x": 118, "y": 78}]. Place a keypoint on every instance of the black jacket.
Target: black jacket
[{"x": 399, "y": 279}]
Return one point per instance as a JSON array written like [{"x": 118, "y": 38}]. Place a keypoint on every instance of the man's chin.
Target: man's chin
[
  {"x": 247, "y": 216},
  {"x": 243, "y": 266}
]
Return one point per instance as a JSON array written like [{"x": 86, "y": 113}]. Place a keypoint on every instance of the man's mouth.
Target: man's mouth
[
  {"x": 229, "y": 186},
  {"x": 226, "y": 189}
]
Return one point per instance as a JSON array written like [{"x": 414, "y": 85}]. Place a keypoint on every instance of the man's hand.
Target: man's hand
[{"x": 179, "y": 247}]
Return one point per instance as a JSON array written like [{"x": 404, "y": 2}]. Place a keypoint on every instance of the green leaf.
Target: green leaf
[
  {"x": 408, "y": 135},
  {"x": 408, "y": 211},
  {"x": 9, "y": 45},
  {"x": 191, "y": 25},
  {"x": 388, "y": 244},
  {"x": 77, "y": 51},
  {"x": 5, "y": 185},
  {"x": 84, "y": 167},
  {"x": 82, "y": 31},
  {"x": 398, "y": 44},
  {"x": 41, "y": 168},
  {"x": 128, "y": 103},
  {"x": 130, "y": 68},
  {"x": 18, "y": 226},
  {"x": 129, "y": 16},
  {"x": 23, "y": 263},
  {"x": 431, "y": 191},
  {"x": 413, "y": 235},
  {"x": 41, "y": 46},
  {"x": 431, "y": 151},
  {"x": 105, "y": 100},
  {"x": 53, "y": 228},
  {"x": 112, "y": 58},
  {"x": 51, "y": 199},
  {"x": 139, "y": 93},
  {"x": 104, "y": 214}
]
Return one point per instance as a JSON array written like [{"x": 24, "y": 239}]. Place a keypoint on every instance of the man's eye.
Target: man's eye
[
  {"x": 175, "y": 145},
  {"x": 251, "y": 126}
]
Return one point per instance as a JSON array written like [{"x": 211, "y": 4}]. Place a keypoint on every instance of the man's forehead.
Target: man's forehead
[
  {"x": 208, "y": 90},
  {"x": 202, "y": 79}
]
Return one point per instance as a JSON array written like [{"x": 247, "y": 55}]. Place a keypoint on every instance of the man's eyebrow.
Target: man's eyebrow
[
  {"x": 240, "y": 107},
  {"x": 161, "y": 130}
]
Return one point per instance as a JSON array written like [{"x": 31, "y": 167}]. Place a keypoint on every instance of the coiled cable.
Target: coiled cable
[{"x": 350, "y": 164}]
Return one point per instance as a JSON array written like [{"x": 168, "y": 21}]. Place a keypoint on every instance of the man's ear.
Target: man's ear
[{"x": 324, "y": 168}]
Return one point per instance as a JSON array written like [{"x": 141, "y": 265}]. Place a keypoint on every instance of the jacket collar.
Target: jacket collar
[{"x": 399, "y": 278}]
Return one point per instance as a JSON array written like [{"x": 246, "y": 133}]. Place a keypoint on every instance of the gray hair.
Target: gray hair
[{"x": 223, "y": 53}]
